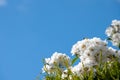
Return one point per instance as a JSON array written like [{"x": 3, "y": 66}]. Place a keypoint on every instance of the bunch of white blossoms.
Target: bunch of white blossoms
[
  {"x": 57, "y": 60},
  {"x": 113, "y": 32},
  {"x": 91, "y": 53},
  {"x": 90, "y": 49}
]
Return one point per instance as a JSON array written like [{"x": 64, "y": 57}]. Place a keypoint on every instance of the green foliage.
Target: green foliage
[{"x": 74, "y": 60}]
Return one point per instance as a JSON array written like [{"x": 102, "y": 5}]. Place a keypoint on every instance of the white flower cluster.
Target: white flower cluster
[
  {"x": 57, "y": 60},
  {"x": 113, "y": 32},
  {"x": 91, "y": 53},
  {"x": 89, "y": 48}
]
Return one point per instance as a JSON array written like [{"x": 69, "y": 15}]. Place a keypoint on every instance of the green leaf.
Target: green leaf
[
  {"x": 109, "y": 38},
  {"x": 74, "y": 60}
]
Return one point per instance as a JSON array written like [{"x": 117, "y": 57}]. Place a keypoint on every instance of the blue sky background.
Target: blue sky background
[{"x": 31, "y": 30}]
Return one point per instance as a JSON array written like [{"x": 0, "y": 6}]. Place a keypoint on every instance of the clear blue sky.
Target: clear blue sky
[{"x": 31, "y": 30}]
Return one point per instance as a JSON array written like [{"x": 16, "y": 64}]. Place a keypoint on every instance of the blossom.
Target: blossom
[
  {"x": 89, "y": 48},
  {"x": 109, "y": 31},
  {"x": 113, "y": 32},
  {"x": 115, "y": 23},
  {"x": 111, "y": 51},
  {"x": 113, "y": 28},
  {"x": 77, "y": 69},
  {"x": 58, "y": 60},
  {"x": 116, "y": 39},
  {"x": 89, "y": 63},
  {"x": 65, "y": 74}
]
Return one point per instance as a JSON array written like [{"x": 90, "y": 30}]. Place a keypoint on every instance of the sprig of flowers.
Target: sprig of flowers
[
  {"x": 97, "y": 60},
  {"x": 57, "y": 59}
]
